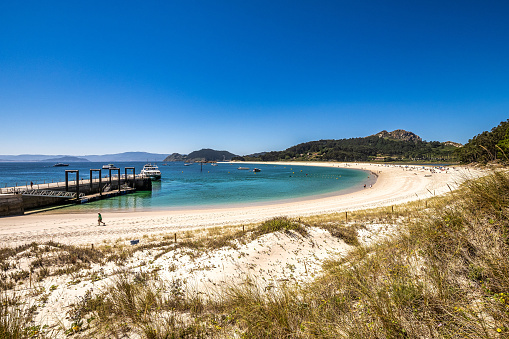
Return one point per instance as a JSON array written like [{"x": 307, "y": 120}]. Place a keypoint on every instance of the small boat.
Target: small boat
[
  {"x": 187, "y": 164},
  {"x": 243, "y": 168},
  {"x": 151, "y": 171},
  {"x": 60, "y": 165},
  {"x": 256, "y": 170},
  {"x": 213, "y": 164},
  {"x": 108, "y": 166}
]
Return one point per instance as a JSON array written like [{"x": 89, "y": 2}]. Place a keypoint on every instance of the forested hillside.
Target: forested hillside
[
  {"x": 398, "y": 145},
  {"x": 488, "y": 146}
]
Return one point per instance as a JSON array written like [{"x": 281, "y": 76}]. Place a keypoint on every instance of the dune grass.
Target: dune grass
[{"x": 446, "y": 275}]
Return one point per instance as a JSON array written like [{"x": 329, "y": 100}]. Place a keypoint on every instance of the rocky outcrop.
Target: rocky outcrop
[
  {"x": 399, "y": 134},
  {"x": 452, "y": 143}
]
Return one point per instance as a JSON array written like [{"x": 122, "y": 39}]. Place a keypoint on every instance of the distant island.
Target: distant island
[
  {"x": 127, "y": 156},
  {"x": 67, "y": 159},
  {"x": 205, "y": 154}
]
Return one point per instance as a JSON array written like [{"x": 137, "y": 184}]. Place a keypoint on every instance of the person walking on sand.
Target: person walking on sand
[{"x": 100, "y": 220}]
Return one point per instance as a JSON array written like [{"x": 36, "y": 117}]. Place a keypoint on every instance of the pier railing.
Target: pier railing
[{"x": 44, "y": 193}]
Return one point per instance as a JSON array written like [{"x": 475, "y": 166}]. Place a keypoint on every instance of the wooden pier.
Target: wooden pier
[{"x": 16, "y": 200}]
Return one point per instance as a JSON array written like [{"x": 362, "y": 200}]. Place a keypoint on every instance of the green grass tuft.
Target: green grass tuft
[{"x": 280, "y": 224}]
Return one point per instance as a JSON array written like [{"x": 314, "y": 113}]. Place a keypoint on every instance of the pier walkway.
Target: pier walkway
[{"x": 15, "y": 200}]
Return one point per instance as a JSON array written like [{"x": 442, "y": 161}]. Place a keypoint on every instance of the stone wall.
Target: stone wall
[
  {"x": 34, "y": 202},
  {"x": 11, "y": 204}
]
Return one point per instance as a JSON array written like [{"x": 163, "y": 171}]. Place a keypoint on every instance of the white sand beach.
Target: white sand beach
[{"x": 394, "y": 185}]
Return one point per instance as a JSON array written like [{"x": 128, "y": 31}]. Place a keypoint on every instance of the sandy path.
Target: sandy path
[{"x": 394, "y": 185}]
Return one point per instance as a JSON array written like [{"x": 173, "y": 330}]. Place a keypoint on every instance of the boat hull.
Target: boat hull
[
  {"x": 151, "y": 171},
  {"x": 154, "y": 177}
]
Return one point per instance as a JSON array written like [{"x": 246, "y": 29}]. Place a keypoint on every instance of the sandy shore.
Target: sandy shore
[{"x": 394, "y": 185}]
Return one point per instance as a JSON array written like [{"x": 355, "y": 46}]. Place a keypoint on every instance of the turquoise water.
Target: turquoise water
[{"x": 195, "y": 185}]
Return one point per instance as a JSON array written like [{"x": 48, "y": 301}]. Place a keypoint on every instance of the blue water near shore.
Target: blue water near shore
[{"x": 189, "y": 186}]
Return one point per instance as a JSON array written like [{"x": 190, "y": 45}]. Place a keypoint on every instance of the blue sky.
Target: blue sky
[{"x": 101, "y": 77}]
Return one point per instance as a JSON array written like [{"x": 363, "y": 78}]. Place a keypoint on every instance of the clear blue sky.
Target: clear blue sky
[{"x": 96, "y": 77}]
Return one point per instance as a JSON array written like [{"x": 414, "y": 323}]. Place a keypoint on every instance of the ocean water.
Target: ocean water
[{"x": 195, "y": 185}]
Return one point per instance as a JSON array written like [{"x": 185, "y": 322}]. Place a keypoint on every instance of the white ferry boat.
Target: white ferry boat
[
  {"x": 108, "y": 166},
  {"x": 151, "y": 171}
]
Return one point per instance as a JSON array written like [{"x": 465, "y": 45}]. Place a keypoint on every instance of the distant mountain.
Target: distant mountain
[
  {"x": 205, "y": 154},
  {"x": 120, "y": 157},
  {"x": 66, "y": 159},
  {"x": 28, "y": 157},
  {"x": 398, "y": 145},
  {"x": 126, "y": 156}
]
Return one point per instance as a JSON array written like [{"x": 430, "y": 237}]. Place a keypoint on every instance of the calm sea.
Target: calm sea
[{"x": 194, "y": 185}]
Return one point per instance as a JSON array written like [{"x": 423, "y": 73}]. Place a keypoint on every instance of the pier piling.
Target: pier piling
[
  {"x": 77, "y": 181},
  {"x": 92, "y": 180},
  {"x": 134, "y": 175}
]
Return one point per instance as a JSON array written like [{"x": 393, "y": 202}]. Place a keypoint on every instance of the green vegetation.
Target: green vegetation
[
  {"x": 280, "y": 224},
  {"x": 487, "y": 146},
  {"x": 371, "y": 148}
]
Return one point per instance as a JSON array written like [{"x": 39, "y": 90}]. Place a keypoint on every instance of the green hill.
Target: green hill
[
  {"x": 205, "y": 154},
  {"x": 398, "y": 145}
]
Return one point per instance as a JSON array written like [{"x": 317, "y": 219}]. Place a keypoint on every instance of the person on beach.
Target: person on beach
[
  {"x": 100, "y": 220},
  {"x": 31, "y": 185}
]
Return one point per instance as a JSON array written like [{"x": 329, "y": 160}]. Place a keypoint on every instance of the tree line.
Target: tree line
[
  {"x": 362, "y": 149},
  {"x": 487, "y": 146}
]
